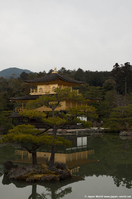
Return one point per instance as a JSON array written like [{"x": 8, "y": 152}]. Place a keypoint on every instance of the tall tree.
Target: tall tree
[
  {"x": 120, "y": 118},
  {"x": 122, "y": 76},
  {"x": 55, "y": 118},
  {"x": 31, "y": 139}
]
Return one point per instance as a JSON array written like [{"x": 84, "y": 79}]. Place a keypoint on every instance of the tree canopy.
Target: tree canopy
[
  {"x": 107, "y": 87},
  {"x": 56, "y": 118},
  {"x": 31, "y": 139},
  {"x": 121, "y": 118}
]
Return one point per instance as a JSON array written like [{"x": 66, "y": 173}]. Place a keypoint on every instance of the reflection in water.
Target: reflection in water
[
  {"x": 70, "y": 159},
  {"x": 34, "y": 194},
  {"x": 78, "y": 154},
  {"x": 52, "y": 193},
  {"x": 75, "y": 170},
  {"x": 115, "y": 160},
  {"x": 102, "y": 156},
  {"x": 54, "y": 189},
  {"x": 126, "y": 178},
  {"x": 81, "y": 141}
]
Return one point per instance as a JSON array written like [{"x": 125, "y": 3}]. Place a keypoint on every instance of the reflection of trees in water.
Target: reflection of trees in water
[
  {"x": 115, "y": 159},
  {"x": 54, "y": 190},
  {"x": 52, "y": 193},
  {"x": 61, "y": 194},
  {"x": 125, "y": 147},
  {"x": 34, "y": 194},
  {"x": 123, "y": 176}
]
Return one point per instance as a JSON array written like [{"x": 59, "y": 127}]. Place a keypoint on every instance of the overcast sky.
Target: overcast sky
[{"x": 42, "y": 34}]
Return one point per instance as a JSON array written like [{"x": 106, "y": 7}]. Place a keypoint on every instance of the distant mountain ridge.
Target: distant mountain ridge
[{"x": 13, "y": 72}]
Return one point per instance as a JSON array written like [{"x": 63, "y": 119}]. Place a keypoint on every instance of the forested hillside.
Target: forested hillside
[{"x": 113, "y": 89}]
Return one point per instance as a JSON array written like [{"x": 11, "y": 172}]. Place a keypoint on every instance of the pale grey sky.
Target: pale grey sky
[{"x": 42, "y": 34}]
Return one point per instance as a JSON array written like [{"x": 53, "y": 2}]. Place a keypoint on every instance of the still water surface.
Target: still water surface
[{"x": 101, "y": 167}]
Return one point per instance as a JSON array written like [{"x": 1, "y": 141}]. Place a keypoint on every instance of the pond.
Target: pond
[{"x": 101, "y": 166}]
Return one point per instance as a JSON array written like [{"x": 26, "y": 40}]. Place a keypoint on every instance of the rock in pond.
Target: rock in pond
[
  {"x": 32, "y": 173},
  {"x": 124, "y": 133},
  {"x": 8, "y": 166}
]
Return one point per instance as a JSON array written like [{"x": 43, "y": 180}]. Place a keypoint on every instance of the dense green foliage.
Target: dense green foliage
[
  {"x": 121, "y": 118},
  {"x": 54, "y": 118},
  {"x": 5, "y": 122},
  {"x": 60, "y": 118},
  {"x": 31, "y": 139},
  {"x": 122, "y": 76},
  {"x": 112, "y": 89}
]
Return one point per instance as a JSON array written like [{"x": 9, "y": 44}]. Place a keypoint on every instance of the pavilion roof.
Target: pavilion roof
[
  {"x": 53, "y": 77},
  {"x": 25, "y": 98}
]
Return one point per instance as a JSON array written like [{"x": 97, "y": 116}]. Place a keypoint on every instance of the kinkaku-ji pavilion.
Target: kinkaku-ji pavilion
[
  {"x": 42, "y": 86},
  {"x": 47, "y": 84}
]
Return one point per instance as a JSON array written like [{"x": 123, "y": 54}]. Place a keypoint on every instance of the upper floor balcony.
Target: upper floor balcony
[{"x": 41, "y": 91}]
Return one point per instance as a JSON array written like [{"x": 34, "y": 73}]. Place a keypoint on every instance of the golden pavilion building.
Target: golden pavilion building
[{"x": 47, "y": 84}]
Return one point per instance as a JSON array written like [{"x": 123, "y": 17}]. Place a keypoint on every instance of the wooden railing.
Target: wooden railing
[{"x": 42, "y": 92}]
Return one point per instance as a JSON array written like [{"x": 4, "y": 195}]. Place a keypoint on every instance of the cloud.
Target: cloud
[{"x": 42, "y": 34}]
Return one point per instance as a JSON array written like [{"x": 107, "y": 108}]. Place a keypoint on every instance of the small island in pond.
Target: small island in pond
[{"x": 31, "y": 173}]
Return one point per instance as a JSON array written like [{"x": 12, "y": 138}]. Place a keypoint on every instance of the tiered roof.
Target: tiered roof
[
  {"x": 25, "y": 98},
  {"x": 54, "y": 77},
  {"x": 47, "y": 79}
]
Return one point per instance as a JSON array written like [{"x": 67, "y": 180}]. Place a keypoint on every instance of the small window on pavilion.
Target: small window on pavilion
[
  {"x": 53, "y": 88},
  {"x": 40, "y": 90}
]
